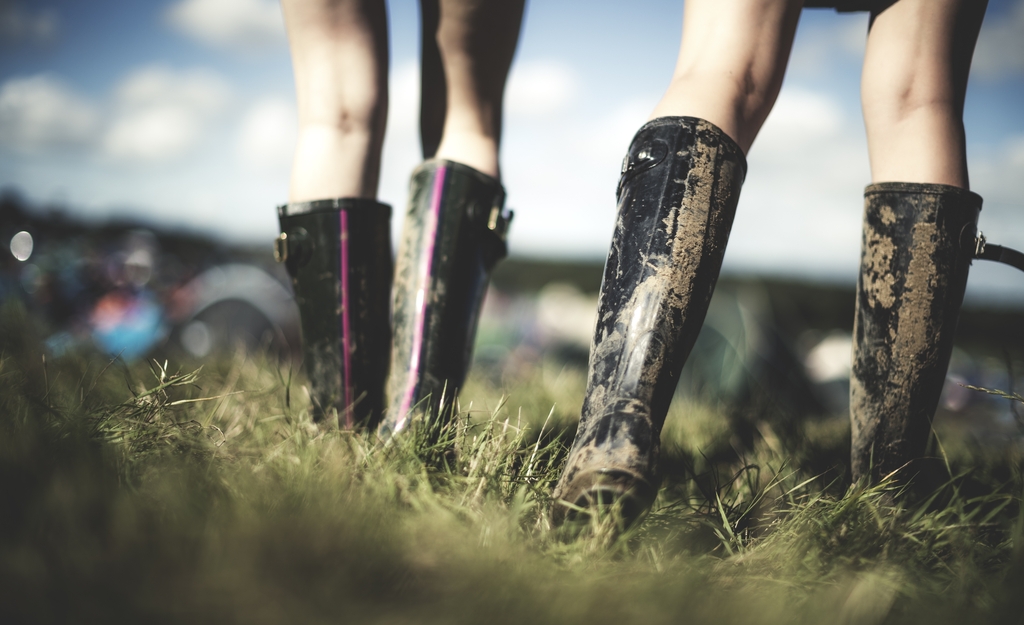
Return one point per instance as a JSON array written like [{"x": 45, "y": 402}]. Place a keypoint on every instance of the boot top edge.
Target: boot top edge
[
  {"x": 492, "y": 185},
  {"x": 923, "y": 188},
  {"x": 694, "y": 124},
  {"x": 329, "y": 205}
]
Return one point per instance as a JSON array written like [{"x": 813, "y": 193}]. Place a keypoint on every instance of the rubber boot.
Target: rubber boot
[
  {"x": 917, "y": 246},
  {"x": 338, "y": 254},
  {"x": 676, "y": 202},
  {"x": 453, "y": 236}
]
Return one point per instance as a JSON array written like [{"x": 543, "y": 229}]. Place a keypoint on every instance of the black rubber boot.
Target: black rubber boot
[
  {"x": 338, "y": 254},
  {"x": 676, "y": 201},
  {"x": 917, "y": 246},
  {"x": 454, "y": 234}
]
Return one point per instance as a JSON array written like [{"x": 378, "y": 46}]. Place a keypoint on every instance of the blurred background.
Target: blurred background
[{"x": 144, "y": 146}]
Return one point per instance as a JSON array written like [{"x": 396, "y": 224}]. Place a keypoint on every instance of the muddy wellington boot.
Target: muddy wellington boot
[
  {"x": 453, "y": 235},
  {"x": 917, "y": 246},
  {"x": 338, "y": 254},
  {"x": 676, "y": 201}
]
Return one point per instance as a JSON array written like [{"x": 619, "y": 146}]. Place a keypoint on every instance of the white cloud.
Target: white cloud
[
  {"x": 162, "y": 114},
  {"x": 198, "y": 90},
  {"x": 404, "y": 99},
  {"x": 242, "y": 25},
  {"x": 153, "y": 134},
  {"x": 800, "y": 208},
  {"x": 800, "y": 116},
  {"x": 40, "y": 112},
  {"x": 266, "y": 138},
  {"x": 1015, "y": 152},
  {"x": 1000, "y": 49},
  {"x": 618, "y": 127},
  {"x": 997, "y": 173},
  {"x": 541, "y": 87},
  {"x": 561, "y": 174},
  {"x": 18, "y": 24}
]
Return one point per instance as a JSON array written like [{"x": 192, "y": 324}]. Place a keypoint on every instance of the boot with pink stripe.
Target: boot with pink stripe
[
  {"x": 338, "y": 254},
  {"x": 454, "y": 235}
]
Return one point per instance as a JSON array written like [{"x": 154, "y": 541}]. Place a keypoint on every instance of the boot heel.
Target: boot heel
[{"x": 607, "y": 492}]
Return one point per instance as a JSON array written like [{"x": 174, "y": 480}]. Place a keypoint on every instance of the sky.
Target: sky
[{"x": 182, "y": 112}]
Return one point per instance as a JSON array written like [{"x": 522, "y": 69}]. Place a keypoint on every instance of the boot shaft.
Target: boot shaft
[
  {"x": 676, "y": 200},
  {"x": 452, "y": 237},
  {"x": 338, "y": 255},
  {"x": 917, "y": 246}
]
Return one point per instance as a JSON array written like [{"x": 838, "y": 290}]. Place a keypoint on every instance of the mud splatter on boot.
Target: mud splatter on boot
[
  {"x": 676, "y": 201},
  {"x": 453, "y": 236},
  {"x": 917, "y": 246},
  {"x": 338, "y": 254}
]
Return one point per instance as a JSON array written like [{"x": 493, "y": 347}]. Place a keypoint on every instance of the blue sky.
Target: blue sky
[{"x": 182, "y": 111}]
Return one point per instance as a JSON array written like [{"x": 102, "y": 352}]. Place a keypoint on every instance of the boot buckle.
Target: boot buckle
[
  {"x": 979, "y": 245},
  {"x": 281, "y": 247},
  {"x": 498, "y": 222}
]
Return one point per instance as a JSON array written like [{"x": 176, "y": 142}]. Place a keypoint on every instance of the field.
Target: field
[{"x": 201, "y": 492}]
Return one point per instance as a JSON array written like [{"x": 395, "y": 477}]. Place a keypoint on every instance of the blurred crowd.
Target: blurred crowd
[
  {"x": 132, "y": 292},
  {"x": 745, "y": 363}
]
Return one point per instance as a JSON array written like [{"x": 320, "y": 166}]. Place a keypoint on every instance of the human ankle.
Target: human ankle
[{"x": 477, "y": 151}]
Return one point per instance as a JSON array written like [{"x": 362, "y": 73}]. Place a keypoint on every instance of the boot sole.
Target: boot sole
[{"x": 602, "y": 492}]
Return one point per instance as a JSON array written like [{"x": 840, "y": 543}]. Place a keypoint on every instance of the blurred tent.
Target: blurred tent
[{"x": 134, "y": 292}]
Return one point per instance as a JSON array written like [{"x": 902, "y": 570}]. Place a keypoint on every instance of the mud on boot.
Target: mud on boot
[
  {"x": 453, "y": 236},
  {"x": 338, "y": 255},
  {"x": 917, "y": 246},
  {"x": 676, "y": 201}
]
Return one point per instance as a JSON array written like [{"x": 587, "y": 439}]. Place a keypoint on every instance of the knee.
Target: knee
[
  {"x": 346, "y": 113},
  {"x": 364, "y": 112},
  {"x": 897, "y": 95},
  {"x": 342, "y": 88},
  {"x": 737, "y": 92}
]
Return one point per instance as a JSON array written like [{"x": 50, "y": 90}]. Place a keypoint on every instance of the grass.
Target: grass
[{"x": 149, "y": 493}]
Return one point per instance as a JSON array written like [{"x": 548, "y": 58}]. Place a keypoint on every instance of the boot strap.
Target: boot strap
[
  {"x": 497, "y": 227},
  {"x": 989, "y": 251},
  {"x": 499, "y": 220}
]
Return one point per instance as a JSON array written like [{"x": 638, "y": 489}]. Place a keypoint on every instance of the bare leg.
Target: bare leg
[
  {"x": 731, "y": 63},
  {"x": 335, "y": 237},
  {"x": 677, "y": 198},
  {"x": 919, "y": 227},
  {"x": 915, "y": 78},
  {"x": 467, "y": 52},
  {"x": 340, "y": 57},
  {"x": 454, "y": 227}
]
